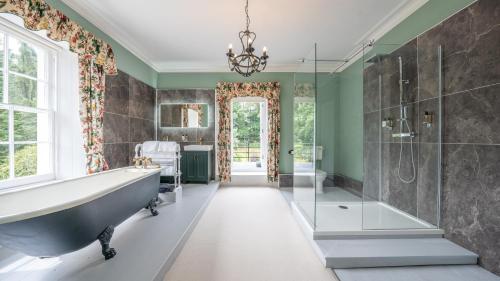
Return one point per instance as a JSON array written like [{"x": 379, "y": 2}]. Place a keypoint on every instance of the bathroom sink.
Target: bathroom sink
[{"x": 198, "y": 147}]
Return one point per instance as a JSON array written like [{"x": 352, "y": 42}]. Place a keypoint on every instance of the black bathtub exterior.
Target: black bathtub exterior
[{"x": 71, "y": 229}]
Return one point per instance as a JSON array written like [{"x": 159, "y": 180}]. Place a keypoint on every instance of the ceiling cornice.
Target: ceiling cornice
[
  {"x": 397, "y": 15},
  {"x": 106, "y": 26},
  {"x": 393, "y": 19}
]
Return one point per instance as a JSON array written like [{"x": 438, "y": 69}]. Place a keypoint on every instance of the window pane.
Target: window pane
[
  {"x": 43, "y": 158},
  {"x": 1, "y": 66},
  {"x": 4, "y": 161},
  {"x": 25, "y": 157},
  {"x": 23, "y": 57},
  {"x": 22, "y": 91},
  {"x": 1, "y": 49},
  {"x": 25, "y": 126},
  {"x": 4, "y": 125}
]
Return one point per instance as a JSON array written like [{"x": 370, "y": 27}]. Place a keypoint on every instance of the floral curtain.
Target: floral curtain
[
  {"x": 225, "y": 92},
  {"x": 96, "y": 59}
]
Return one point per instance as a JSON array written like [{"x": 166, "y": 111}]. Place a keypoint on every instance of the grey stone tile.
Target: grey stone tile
[
  {"x": 428, "y": 63},
  {"x": 371, "y": 91},
  {"x": 427, "y": 184},
  {"x": 391, "y": 75},
  {"x": 142, "y": 100},
  {"x": 329, "y": 181},
  {"x": 177, "y": 96},
  {"x": 285, "y": 180},
  {"x": 473, "y": 117},
  {"x": 175, "y": 134},
  {"x": 117, "y": 155},
  {"x": 371, "y": 170},
  {"x": 470, "y": 40},
  {"x": 372, "y": 126},
  {"x": 429, "y": 134},
  {"x": 208, "y": 134},
  {"x": 356, "y": 187},
  {"x": 117, "y": 93},
  {"x": 141, "y": 130},
  {"x": 471, "y": 200},
  {"x": 339, "y": 180},
  {"x": 115, "y": 128},
  {"x": 395, "y": 192}
]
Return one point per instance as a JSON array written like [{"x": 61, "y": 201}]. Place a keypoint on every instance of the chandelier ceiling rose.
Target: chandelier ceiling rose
[{"x": 247, "y": 62}]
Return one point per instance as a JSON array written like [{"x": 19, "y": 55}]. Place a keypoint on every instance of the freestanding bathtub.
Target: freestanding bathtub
[{"x": 62, "y": 217}]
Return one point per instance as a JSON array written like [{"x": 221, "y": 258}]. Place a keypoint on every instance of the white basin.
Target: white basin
[{"x": 198, "y": 147}]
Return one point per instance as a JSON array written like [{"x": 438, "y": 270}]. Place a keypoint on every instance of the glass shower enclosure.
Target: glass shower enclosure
[{"x": 393, "y": 126}]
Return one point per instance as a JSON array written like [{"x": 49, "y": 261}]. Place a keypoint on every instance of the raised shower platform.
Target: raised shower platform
[
  {"x": 350, "y": 246},
  {"x": 348, "y": 223},
  {"x": 361, "y": 253}
]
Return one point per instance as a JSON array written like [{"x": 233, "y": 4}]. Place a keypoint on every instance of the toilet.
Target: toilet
[
  {"x": 320, "y": 175},
  {"x": 320, "y": 178}
]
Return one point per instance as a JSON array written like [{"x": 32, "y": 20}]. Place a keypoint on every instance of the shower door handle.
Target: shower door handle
[{"x": 290, "y": 151}]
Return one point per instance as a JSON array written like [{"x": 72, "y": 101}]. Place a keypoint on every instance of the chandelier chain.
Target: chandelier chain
[
  {"x": 247, "y": 62},
  {"x": 248, "y": 17}
]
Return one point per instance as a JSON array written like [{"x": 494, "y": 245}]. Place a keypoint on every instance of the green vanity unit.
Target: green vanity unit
[{"x": 196, "y": 164}]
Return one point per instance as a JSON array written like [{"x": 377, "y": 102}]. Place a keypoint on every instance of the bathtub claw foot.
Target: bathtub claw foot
[
  {"x": 152, "y": 207},
  {"x": 105, "y": 239}
]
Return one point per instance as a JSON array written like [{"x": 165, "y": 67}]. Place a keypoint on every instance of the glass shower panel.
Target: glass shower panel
[
  {"x": 402, "y": 122},
  {"x": 338, "y": 205},
  {"x": 304, "y": 108}
]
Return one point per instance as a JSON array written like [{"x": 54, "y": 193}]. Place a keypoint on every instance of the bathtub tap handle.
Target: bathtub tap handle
[{"x": 138, "y": 162}]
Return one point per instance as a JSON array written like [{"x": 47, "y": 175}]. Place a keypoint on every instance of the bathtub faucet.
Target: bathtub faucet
[{"x": 143, "y": 162}]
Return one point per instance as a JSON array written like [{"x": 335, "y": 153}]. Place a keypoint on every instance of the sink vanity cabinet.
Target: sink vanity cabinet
[{"x": 196, "y": 164}]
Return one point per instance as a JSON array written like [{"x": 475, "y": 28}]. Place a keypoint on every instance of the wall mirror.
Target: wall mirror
[{"x": 183, "y": 115}]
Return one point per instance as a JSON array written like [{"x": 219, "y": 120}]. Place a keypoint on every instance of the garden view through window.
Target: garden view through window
[
  {"x": 249, "y": 135},
  {"x": 25, "y": 112},
  {"x": 303, "y": 134}
]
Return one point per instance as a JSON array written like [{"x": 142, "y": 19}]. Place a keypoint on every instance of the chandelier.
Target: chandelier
[{"x": 247, "y": 62}]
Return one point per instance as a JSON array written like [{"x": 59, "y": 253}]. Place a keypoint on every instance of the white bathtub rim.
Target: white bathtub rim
[{"x": 9, "y": 218}]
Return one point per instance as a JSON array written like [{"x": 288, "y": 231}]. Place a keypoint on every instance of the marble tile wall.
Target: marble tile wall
[
  {"x": 129, "y": 109},
  {"x": 470, "y": 193},
  {"x": 349, "y": 184},
  {"x": 193, "y": 134}
]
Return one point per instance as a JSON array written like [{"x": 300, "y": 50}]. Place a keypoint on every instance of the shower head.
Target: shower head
[{"x": 375, "y": 58}]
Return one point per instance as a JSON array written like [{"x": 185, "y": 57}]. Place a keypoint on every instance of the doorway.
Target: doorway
[{"x": 249, "y": 135}]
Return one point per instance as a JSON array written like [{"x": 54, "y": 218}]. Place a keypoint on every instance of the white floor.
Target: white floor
[
  {"x": 358, "y": 216},
  {"x": 248, "y": 233}
]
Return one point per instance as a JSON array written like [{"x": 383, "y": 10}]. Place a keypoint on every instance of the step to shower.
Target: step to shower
[
  {"x": 360, "y": 253},
  {"x": 417, "y": 273}
]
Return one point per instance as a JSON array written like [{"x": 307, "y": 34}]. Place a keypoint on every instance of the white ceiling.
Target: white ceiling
[{"x": 193, "y": 35}]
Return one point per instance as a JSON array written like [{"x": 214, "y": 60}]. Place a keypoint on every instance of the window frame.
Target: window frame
[{"x": 11, "y": 30}]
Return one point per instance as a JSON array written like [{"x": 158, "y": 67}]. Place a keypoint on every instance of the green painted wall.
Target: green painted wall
[
  {"x": 349, "y": 123},
  {"x": 326, "y": 130},
  {"x": 349, "y": 111},
  {"x": 209, "y": 81},
  {"x": 125, "y": 60}
]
